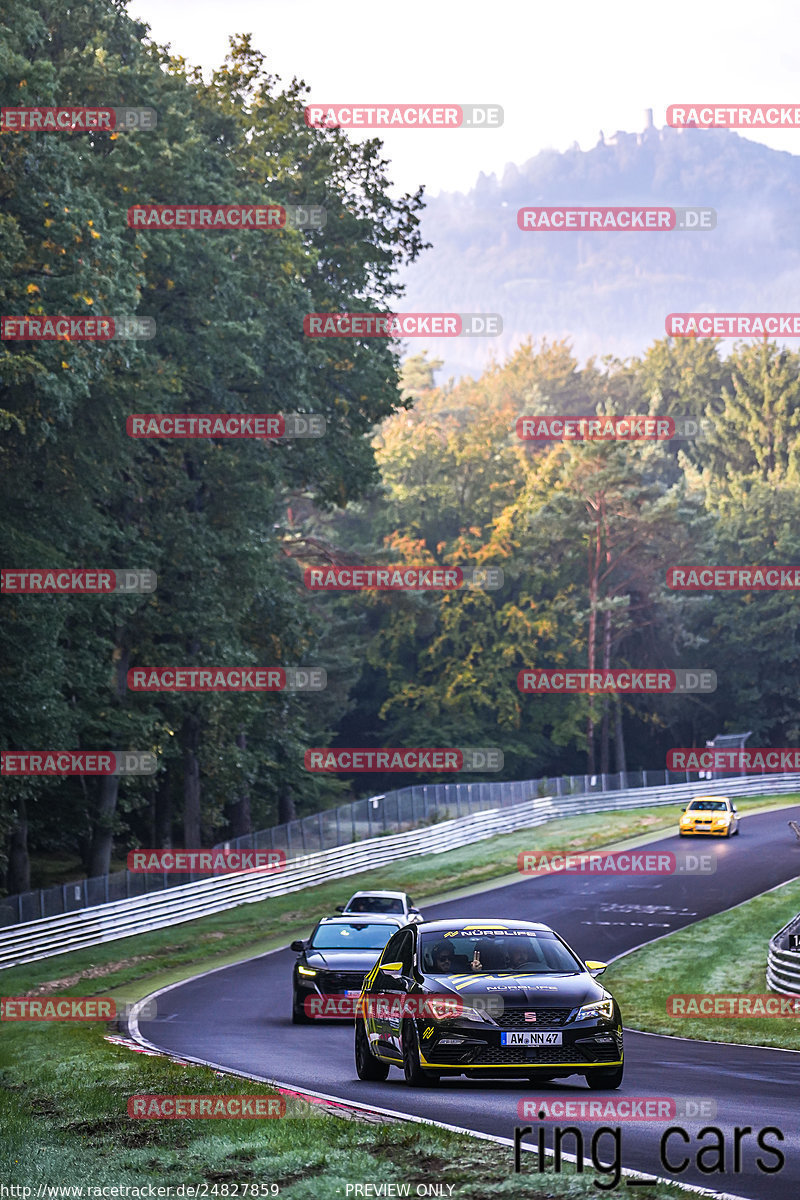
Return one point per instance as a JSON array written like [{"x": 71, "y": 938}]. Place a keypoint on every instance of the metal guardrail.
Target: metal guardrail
[
  {"x": 395, "y": 812},
  {"x": 36, "y": 940},
  {"x": 783, "y": 964}
]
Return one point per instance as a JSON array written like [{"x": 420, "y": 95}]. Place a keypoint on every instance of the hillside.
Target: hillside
[{"x": 610, "y": 291}]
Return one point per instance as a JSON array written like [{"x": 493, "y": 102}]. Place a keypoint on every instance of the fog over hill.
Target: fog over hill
[{"x": 610, "y": 291}]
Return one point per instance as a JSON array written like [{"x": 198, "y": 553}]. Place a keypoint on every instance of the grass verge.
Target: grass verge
[
  {"x": 725, "y": 954},
  {"x": 63, "y": 1107}
]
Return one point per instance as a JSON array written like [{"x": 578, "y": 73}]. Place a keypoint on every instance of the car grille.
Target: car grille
[
  {"x": 343, "y": 981},
  {"x": 515, "y": 1017},
  {"x": 533, "y": 1056}
]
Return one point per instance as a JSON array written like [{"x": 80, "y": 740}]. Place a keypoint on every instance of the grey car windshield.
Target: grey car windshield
[
  {"x": 355, "y": 935},
  {"x": 494, "y": 952},
  {"x": 708, "y": 806}
]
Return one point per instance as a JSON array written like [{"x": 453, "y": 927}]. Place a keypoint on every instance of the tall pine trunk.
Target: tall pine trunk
[
  {"x": 240, "y": 817},
  {"x": 190, "y": 741},
  {"x": 102, "y": 843},
  {"x": 101, "y": 846},
  {"x": 18, "y": 872}
]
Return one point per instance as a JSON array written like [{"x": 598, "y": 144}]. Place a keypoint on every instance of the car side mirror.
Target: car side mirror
[
  {"x": 298, "y": 947},
  {"x": 594, "y": 967},
  {"x": 340, "y": 907},
  {"x": 415, "y": 912},
  {"x": 394, "y": 970},
  {"x": 685, "y": 807},
  {"x": 735, "y": 809}
]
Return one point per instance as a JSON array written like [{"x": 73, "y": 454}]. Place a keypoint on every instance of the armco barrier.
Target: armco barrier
[
  {"x": 396, "y": 811},
  {"x": 108, "y": 922},
  {"x": 783, "y": 965}
]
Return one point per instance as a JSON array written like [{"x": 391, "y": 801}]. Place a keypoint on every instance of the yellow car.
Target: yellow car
[{"x": 714, "y": 815}]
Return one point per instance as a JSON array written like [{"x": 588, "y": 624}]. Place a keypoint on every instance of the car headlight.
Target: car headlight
[
  {"x": 600, "y": 1008},
  {"x": 474, "y": 1014},
  {"x": 439, "y": 1007},
  {"x": 305, "y": 971},
  {"x": 442, "y": 1008}
]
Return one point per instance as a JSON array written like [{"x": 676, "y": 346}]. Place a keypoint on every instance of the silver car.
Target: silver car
[{"x": 383, "y": 903}]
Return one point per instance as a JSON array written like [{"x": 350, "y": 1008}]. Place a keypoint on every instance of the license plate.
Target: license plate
[
  {"x": 352, "y": 994},
  {"x": 530, "y": 1039}
]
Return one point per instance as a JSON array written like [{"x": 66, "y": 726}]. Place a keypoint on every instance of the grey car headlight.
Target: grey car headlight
[
  {"x": 474, "y": 1014},
  {"x": 600, "y": 1008}
]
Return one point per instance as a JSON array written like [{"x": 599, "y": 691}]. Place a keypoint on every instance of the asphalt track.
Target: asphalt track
[{"x": 238, "y": 1017}]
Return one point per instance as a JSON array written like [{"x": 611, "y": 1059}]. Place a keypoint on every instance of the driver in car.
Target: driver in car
[
  {"x": 520, "y": 954},
  {"x": 443, "y": 958}
]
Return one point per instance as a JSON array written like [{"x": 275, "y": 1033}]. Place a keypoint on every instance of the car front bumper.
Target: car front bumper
[{"x": 471, "y": 1047}]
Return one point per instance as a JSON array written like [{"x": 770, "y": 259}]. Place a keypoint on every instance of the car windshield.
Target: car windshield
[
  {"x": 355, "y": 935},
  {"x": 708, "y": 806},
  {"x": 375, "y": 904},
  {"x": 496, "y": 952}
]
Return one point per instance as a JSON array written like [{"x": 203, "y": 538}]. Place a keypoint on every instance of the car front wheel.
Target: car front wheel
[
  {"x": 367, "y": 1065},
  {"x": 604, "y": 1079},
  {"x": 415, "y": 1075},
  {"x": 298, "y": 1012}
]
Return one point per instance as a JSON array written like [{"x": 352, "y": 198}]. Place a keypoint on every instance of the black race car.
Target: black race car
[
  {"x": 482, "y": 998},
  {"x": 333, "y": 963}
]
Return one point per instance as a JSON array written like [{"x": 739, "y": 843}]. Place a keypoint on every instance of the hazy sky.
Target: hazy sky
[{"x": 562, "y": 71}]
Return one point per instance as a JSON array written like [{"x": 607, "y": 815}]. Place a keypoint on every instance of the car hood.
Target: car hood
[
  {"x": 557, "y": 991},
  {"x": 342, "y": 960}
]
